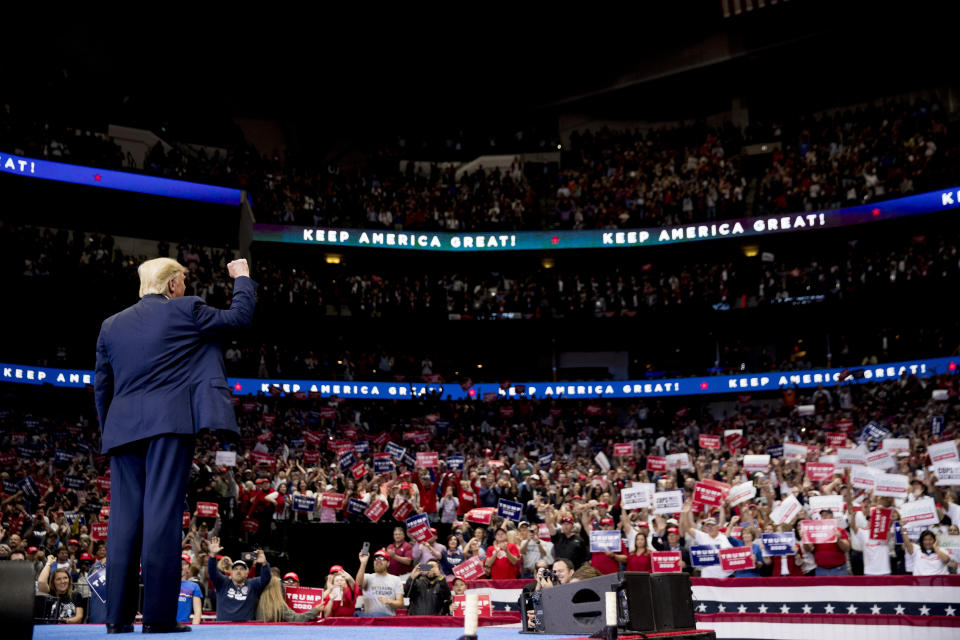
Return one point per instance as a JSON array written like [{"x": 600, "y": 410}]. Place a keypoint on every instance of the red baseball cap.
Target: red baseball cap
[
  {"x": 86, "y": 556},
  {"x": 643, "y": 523},
  {"x": 566, "y": 519},
  {"x": 673, "y": 530},
  {"x": 607, "y": 520},
  {"x": 184, "y": 557},
  {"x": 603, "y": 504},
  {"x": 404, "y": 486},
  {"x": 31, "y": 549},
  {"x": 73, "y": 541},
  {"x": 383, "y": 553},
  {"x": 336, "y": 569},
  {"x": 291, "y": 576}
]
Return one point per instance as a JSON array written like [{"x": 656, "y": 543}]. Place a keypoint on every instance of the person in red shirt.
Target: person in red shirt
[
  {"x": 468, "y": 498},
  {"x": 401, "y": 553},
  {"x": 340, "y": 600},
  {"x": 607, "y": 562},
  {"x": 428, "y": 495},
  {"x": 831, "y": 557},
  {"x": 640, "y": 559},
  {"x": 502, "y": 557}
]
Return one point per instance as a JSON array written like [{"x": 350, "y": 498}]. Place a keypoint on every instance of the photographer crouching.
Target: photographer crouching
[{"x": 546, "y": 577}]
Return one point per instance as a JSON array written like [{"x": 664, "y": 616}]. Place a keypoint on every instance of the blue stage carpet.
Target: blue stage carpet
[{"x": 287, "y": 632}]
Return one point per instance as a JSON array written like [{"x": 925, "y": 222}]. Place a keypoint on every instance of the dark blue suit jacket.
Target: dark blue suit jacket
[{"x": 160, "y": 367}]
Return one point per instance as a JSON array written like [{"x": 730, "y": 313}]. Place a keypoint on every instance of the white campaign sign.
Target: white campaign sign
[
  {"x": 756, "y": 463},
  {"x": 786, "y": 510},
  {"x": 864, "y": 477},
  {"x": 919, "y": 513},
  {"x": 948, "y": 473},
  {"x": 636, "y": 497},
  {"x": 894, "y": 485},
  {"x": 741, "y": 493},
  {"x": 226, "y": 458},
  {"x": 896, "y": 445},
  {"x": 794, "y": 450},
  {"x": 943, "y": 452},
  {"x": 602, "y": 461},
  {"x": 831, "y": 459},
  {"x": 880, "y": 459},
  {"x": 667, "y": 501},
  {"x": 679, "y": 461},
  {"x": 849, "y": 458},
  {"x": 834, "y": 503}
]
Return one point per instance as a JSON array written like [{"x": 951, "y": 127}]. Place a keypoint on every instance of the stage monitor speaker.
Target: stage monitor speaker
[
  {"x": 577, "y": 608},
  {"x": 16, "y": 600},
  {"x": 673, "y": 601}
]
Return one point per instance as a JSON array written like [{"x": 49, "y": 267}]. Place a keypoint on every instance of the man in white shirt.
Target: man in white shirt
[
  {"x": 383, "y": 592},
  {"x": 709, "y": 535}
]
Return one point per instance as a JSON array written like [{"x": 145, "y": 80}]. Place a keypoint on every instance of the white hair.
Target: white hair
[{"x": 157, "y": 273}]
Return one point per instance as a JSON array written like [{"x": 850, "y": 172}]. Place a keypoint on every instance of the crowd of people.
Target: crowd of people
[
  {"x": 296, "y": 466},
  {"x": 608, "y": 179}
]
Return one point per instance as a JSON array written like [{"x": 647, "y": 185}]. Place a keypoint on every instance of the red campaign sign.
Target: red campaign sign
[
  {"x": 845, "y": 425},
  {"x": 269, "y": 419},
  {"x": 186, "y": 519},
  {"x": 506, "y": 412},
  {"x": 376, "y": 510},
  {"x": 207, "y": 510},
  {"x": 311, "y": 457},
  {"x": 623, "y": 449},
  {"x": 98, "y": 531},
  {"x": 250, "y": 525},
  {"x": 104, "y": 483},
  {"x": 734, "y": 441},
  {"x": 593, "y": 410},
  {"x": 312, "y": 437},
  {"x": 260, "y": 457},
  {"x": 710, "y": 492},
  {"x": 339, "y": 445},
  {"x": 460, "y": 605},
  {"x": 709, "y": 442},
  {"x": 42, "y": 487},
  {"x": 471, "y": 569},
  {"x": 332, "y": 500},
  {"x": 666, "y": 561},
  {"x": 380, "y": 439},
  {"x": 480, "y": 515},
  {"x": 349, "y": 433},
  {"x": 303, "y": 599},
  {"x": 419, "y": 437},
  {"x": 235, "y": 401},
  {"x": 543, "y": 532},
  {"x": 428, "y": 459},
  {"x": 249, "y": 406},
  {"x": 820, "y": 471},
  {"x": 880, "y": 520},
  {"x": 402, "y": 508},
  {"x": 818, "y": 531},
  {"x": 7, "y": 459},
  {"x": 265, "y": 436},
  {"x": 104, "y": 513},
  {"x": 328, "y": 412},
  {"x": 656, "y": 463},
  {"x": 836, "y": 439},
  {"x": 737, "y": 558},
  {"x": 300, "y": 395},
  {"x": 358, "y": 470}
]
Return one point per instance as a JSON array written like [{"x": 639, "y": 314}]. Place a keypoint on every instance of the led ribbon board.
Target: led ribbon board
[
  {"x": 770, "y": 381},
  {"x": 602, "y": 239},
  {"x": 119, "y": 180}
]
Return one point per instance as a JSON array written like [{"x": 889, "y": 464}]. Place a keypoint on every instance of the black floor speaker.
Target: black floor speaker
[
  {"x": 16, "y": 600},
  {"x": 658, "y": 602},
  {"x": 577, "y": 608}
]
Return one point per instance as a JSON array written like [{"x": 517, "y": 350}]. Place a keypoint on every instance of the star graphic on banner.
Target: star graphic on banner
[
  {"x": 721, "y": 608},
  {"x": 875, "y": 610},
  {"x": 949, "y": 611},
  {"x": 852, "y": 609},
  {"x": 807, "y": 608},
  {"x": 828, "y": 608},
  {"x": 899, "y": 609},
  {"x": 762, "y": 608},
  {"x": 742, "y": 609},
  {"x": 506, "y": 608},
  {"x": 701, "y": 607},
  {"x": 784, "y": 608},
  {"x": 924, "y": 610}
]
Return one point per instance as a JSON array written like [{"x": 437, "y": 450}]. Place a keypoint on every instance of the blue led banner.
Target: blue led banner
[
  {"x": 707, "y": 385},
  {"x": 601, "y": 238},
  {"x": 119, "y": 180}
]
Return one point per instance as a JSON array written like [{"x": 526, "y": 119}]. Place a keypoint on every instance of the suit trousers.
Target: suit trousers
[{"x": 148, "y": 483}]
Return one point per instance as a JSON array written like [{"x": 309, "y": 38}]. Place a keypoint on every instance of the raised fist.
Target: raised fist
[{"x": 238, "y": 268}]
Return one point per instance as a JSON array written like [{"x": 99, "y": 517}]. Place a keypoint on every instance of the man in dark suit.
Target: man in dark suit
[{"x": 160, "y": 379}]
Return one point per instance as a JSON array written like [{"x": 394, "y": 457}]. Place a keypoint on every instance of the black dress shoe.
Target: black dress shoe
[
  {"x": 119, "y": 628},
  {"x": 166, "y": 627}
]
